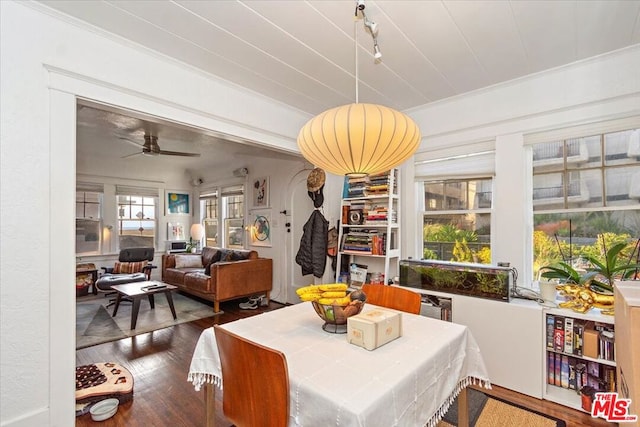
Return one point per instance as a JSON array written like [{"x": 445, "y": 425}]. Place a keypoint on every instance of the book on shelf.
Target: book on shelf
[
  {"x": 606, "y": 345},
  {"x": 372, "y": 185},
  {"x": 578, "y": 332},
  {"x": 558, "y": 334},
  {"x": 551, "y": 324},
  {"x": 551, "y": 370},
  {"x": 572, "y": 373},
  {"x": 364, "y": 241},
  {"x": 564, "y": 371},
  {"x": 568, "y": 335}
]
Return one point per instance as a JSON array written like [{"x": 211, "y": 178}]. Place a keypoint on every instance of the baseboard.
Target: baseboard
[{"x": 39, "y": 418}]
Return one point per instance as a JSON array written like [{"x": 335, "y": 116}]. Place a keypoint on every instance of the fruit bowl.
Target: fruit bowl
[{"x": 335, "y": 316}]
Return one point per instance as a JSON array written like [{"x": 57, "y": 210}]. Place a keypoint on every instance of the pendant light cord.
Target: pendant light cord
[{"x": 355, "y": 37}]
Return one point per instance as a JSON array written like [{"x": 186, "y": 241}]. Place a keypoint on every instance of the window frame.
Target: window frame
[
  {"x": 598, "y": 165},
  {"x": 426, "y": 213}
]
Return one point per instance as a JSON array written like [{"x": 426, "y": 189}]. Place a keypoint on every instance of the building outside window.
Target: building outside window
[
  {"x": 233, "y": 214},
  {"x": 222, "y": 213},
  {"x": 586, "y": 194},
  {"x": 457, "y": 220},
  {"x": 209, "y": 213},
  {"x": 88, "y": 222},
  {"x": 136, "y": 220}
]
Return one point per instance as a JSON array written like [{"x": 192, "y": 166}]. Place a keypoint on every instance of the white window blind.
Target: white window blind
[
  {"x": 90, "y": 187},
  {"x": 125, "y": 190},
  {"x": 235, "y": 190},
  {"x": 456, "y": 167}
]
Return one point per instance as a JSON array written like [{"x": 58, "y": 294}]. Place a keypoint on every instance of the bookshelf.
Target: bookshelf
[
  {"x": 369, "y": 234},
  {"x": 579, "y": 351}
]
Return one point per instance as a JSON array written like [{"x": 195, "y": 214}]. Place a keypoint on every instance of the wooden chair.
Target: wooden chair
[
  {"x": 392, "y": 297},
  {"x": 255, "y": 382}
]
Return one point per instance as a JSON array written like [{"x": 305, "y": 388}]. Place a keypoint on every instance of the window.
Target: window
[
  {"x": 136, "y": 217},
  {"x": 457, "y": 220},
  {"x": 88, "y": 221},
  {"x": 586, "y": 194},
  {"x": 226, "y": 203},
  {"x": 209, "y": 210},
  {"x": 233, "y": 214}
]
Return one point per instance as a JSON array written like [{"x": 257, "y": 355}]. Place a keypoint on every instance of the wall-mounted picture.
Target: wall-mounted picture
[
  {"x": 178, "y": 203},
  {"x": 261, "y": 228},
  {"x": 260, "y": 191},
  {"x": 175, "y": 231}
]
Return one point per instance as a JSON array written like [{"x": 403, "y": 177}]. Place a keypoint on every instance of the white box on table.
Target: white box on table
[{"x": 374, "y": 328}]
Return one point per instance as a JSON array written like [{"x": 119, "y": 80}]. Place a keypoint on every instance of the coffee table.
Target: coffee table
[{"x": 138, "y": 290}]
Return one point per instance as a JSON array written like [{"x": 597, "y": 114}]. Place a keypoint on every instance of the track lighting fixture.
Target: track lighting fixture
[
  {"x": 377, "y": 55},
  {"x": 371, "y": 26},
  {"x": 359, "y": 139}
]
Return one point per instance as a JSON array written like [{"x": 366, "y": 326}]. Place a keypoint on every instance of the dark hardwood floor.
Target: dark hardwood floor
[{"x": 159, "y": 362}]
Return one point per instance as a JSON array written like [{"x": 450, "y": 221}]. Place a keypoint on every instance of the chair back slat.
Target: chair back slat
[
  {"x": 255, "y": 382},
  {"x": 392, "y": 297}
]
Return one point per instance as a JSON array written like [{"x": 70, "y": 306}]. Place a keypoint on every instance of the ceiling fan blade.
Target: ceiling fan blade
[
  {"x": 131, "y": 155},
  {"x": 178, "y": 153},
  {"x": 130, "y": 141}
]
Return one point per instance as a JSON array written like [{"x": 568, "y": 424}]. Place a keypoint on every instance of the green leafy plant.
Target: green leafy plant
[
  {"x": 610, "y": 268},
  {"x": 601, "y": 273},
  {"x": 563, "y": 272}
]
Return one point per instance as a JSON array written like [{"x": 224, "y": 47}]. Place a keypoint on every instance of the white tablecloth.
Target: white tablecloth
[{"x": 410, "y": 381}]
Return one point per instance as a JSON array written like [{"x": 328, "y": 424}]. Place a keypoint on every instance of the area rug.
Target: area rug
[
  {"x": 95, "y": 325},
  {"x": 487, "y": 411}
]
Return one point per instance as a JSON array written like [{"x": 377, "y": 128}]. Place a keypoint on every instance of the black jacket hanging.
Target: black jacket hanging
[{"x": 312, "y": 255}]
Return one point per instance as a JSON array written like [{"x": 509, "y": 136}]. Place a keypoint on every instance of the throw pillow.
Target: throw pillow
[
  {"x": 129, "y": 267},
  {"x": 226, "y": 256},
  {"x": 237, "y": 256},
  {"x": 215, "y": 258},
  {"x": 188, "y": 261},
  {"x": 207, "y": 269}
]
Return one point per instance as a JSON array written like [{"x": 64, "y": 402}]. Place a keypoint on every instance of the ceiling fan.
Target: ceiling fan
[{"x": 151, "y": 148}]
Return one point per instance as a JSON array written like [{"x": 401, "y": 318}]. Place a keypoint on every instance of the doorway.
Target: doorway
[{"x": 300, "y": 208}]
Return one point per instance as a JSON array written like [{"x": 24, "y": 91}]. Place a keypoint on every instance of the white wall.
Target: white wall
[
  {"x": 499, "y": 119},
  {"x": 41, "y": 73}
]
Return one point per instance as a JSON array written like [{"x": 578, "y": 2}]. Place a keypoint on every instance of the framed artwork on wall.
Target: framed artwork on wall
[
  {"x": 178, "y": 203},
  {"x": 175, "y": 231},
  {"x": 261, "y": 228},
  {"x": 260, "y": 192}
]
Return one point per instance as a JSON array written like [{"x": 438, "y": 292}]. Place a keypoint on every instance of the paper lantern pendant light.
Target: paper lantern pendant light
[{"x": 359, "y": 139}]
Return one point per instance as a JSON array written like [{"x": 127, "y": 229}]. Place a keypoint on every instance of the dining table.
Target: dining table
[{"x": 410, "y": 381}]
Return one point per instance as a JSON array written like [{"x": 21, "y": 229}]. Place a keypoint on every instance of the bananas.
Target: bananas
[
  {"x": 326, "y": 294},
  {"x": 342, "y": 301}
]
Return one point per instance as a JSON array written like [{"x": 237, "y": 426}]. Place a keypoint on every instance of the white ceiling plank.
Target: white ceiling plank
[
  {"x": 301, "y": 52},
  {"x": 429, "y": 30},
  {"x": 604, "y": 25},
  {"x": 489, "y": 29},
  {"x": 547, "y": 31}
]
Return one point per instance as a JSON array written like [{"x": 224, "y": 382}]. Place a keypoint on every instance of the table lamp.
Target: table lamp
[{"x": 197, "y": 233}]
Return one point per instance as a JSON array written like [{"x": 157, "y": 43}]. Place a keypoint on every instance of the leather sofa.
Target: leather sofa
[{"x": 219, "y": 274}]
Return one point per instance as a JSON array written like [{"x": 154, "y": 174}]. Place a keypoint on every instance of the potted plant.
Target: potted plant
[
  {"x": 594, "y": 287},
  {"x": 598, "y": 277}
]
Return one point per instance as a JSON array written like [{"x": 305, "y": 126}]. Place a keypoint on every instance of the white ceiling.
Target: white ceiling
[{"x": 301, "y": 53}]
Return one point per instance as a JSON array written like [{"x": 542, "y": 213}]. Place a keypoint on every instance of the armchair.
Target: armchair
[
  {"x": 133, "y": 265},
  {"x": 133, "y": 260}
]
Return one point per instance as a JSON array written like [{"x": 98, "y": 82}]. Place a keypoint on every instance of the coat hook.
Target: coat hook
[{"x": 284, "y": 212}]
